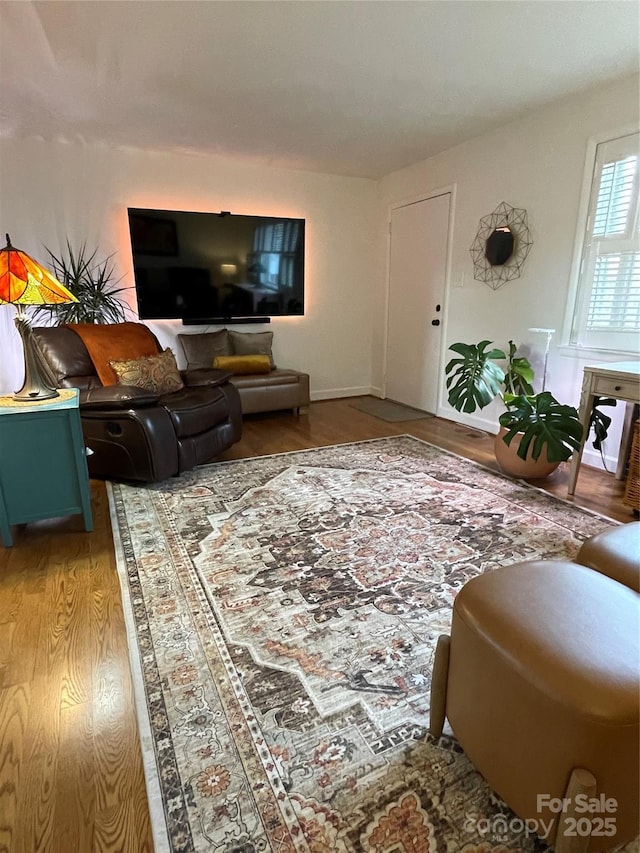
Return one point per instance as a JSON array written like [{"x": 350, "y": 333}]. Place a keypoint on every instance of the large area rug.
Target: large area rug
[{"x": 283, "y": 613}]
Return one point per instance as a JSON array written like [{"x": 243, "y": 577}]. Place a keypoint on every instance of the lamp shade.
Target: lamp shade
[{"x": 25, "y": 282}]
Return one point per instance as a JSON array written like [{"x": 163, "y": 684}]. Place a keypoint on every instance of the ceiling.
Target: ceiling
[{"x": 349, "y": 87}]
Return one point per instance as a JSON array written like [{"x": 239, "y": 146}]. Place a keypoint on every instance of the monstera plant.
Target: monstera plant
[
  {"x": 540, "y": 431},
  {"x": 92, "y": 281}
]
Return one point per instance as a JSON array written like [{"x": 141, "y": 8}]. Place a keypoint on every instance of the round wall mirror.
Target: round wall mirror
[{"x": 499, "y": 246}]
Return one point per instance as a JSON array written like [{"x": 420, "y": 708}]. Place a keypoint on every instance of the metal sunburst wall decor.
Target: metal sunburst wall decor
[{"x": 501, "y": 246}]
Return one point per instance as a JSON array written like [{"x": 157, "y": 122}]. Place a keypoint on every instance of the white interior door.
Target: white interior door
[{"x": 417, "y": 272}]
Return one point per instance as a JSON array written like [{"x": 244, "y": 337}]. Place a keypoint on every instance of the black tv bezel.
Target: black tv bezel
[
  {"x": 223, "y": 321},
  {"x": 170, "y": 249}
]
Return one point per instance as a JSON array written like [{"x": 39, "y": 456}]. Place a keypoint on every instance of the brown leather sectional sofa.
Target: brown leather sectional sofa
[
  {"x": 281, "y": 388},
  {"x": 133, "y": 434}
]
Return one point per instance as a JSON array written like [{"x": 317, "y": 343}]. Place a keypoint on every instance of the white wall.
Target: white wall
[
  {"x": 536, "y": 163},
  {"x": 53, "y": 191}
]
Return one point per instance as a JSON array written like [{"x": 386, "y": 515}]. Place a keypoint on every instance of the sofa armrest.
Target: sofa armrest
[
  {"x": 130, "y": 443},
  {"x": 210, "y": 376},
  {"x": 117, "y": 397}
]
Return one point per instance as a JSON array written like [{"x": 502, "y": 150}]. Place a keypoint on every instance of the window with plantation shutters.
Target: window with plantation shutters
[{"x": 607, "y": 310}]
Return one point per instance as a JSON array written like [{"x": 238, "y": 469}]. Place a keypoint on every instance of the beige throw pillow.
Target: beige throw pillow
[
  {"x": 252, "y": 343},
  {"x": 200, "y": 349}
]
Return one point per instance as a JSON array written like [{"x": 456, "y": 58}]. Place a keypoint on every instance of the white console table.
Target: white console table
[{"x": 620, "y": 380}]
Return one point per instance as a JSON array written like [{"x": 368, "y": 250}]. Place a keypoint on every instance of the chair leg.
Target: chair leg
[
  {"x": 581, "y": 781},
  {"x": 439, "y": 677}
]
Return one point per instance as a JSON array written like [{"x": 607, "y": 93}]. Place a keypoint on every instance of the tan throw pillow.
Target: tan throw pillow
[
  {"x": 252, "y": 343},
  {"x": 243, "y": 364},
  {"x": 158, "y": 374}
]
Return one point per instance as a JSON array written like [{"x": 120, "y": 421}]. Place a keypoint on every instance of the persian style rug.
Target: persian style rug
[{"x": 283, "y": 613}]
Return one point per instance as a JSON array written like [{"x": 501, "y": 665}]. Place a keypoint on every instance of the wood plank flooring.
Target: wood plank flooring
[{"x": 71, "y": 778}]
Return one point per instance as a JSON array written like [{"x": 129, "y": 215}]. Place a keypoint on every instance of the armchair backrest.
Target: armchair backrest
[{"x": 65, "y": 357}]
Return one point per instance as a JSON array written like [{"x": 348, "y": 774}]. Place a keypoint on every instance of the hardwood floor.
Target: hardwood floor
[{"x": 71, "y": 778}]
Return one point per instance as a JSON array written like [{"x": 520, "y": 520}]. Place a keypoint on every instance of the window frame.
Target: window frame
[{"x": 572, "y": 305}]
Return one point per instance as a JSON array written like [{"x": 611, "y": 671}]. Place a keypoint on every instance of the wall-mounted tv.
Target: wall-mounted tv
[{"x": 216, "y": 267}]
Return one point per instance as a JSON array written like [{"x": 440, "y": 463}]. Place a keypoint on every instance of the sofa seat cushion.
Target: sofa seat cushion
[
  {"x": 260, "y": 380},
  {"x": 205, "y": 376},
  {"x": 195, "y": 409}
]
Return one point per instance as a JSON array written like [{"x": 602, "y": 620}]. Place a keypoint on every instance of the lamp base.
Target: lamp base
[
  {"x": 29, "y": 394},
  {"x": 35, "y": 387}
]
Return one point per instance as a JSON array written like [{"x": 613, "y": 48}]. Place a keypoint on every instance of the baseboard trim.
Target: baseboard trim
[
  {"x": 335, "y": 393},
  {"x": 473, "y": 421},
  {"x": 589, "y": 457},
  {"x": 592, "y": 458}
]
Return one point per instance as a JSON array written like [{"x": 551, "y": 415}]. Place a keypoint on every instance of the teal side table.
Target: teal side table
[{"x": 43, "y": 468}]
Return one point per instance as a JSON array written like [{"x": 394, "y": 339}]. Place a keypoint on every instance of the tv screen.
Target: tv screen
[{"x": 216, "y": 267}]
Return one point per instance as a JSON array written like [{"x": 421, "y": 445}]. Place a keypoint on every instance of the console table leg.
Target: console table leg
[
  {"x": 5, "y": 527},
  {"x": 586, "y": 404},
  {"x": 630, "y": 415}
]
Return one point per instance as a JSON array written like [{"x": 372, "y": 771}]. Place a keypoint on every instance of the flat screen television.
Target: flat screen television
[{"x": 216, "y": 267}]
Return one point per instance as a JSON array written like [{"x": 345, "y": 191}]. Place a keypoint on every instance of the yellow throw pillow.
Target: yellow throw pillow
[
  {"x": 158, "y": 374},
  {"x": 242, "y": 364}
]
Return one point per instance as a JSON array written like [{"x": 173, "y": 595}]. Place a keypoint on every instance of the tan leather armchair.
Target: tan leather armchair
[{"x": 540, "y": 683}]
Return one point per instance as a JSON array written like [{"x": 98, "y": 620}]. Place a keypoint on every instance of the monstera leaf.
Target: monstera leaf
[
  {"x": 600, "y": 422},
  {"x": 518, "y": 378},
  {"x": 543, "y": 423},
  {"x": 473, "y": 379}
]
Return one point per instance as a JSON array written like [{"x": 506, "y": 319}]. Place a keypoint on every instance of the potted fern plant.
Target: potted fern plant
[
  {"x": 100, "y": 300},
  {"x": 537, "y": 432}
]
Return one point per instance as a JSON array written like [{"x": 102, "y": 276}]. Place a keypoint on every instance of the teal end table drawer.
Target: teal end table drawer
[{"x": 43, "y": 468}]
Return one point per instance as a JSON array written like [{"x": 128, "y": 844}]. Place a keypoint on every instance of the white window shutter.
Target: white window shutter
[{"x": 607, "y": 314}]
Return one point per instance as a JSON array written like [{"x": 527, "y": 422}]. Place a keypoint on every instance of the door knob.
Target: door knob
[{"x": 435, "y": 322}]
